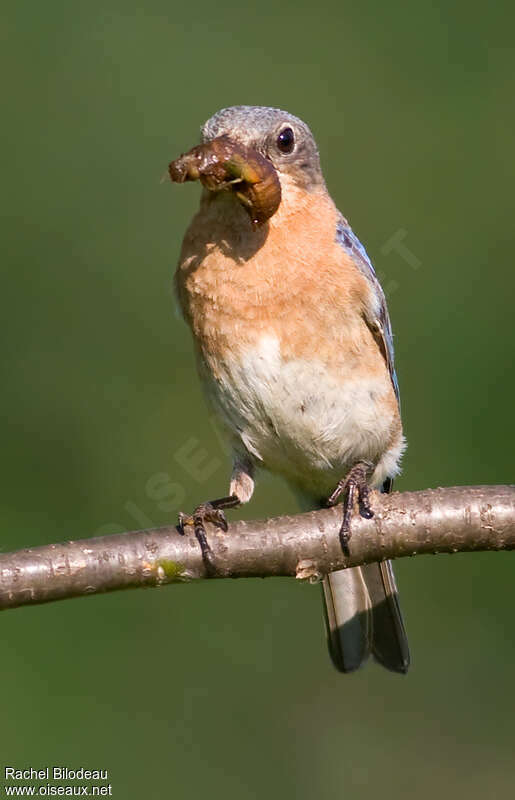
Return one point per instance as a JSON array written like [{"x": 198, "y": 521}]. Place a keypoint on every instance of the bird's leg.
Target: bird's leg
[
  {"x": 212, "y": 511},
  {"x": 240, "y": 491},
  {"x": 354, "y": 483}
]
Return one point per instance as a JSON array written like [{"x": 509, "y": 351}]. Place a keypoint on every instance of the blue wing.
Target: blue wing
[{"x": 380, "y": 325}]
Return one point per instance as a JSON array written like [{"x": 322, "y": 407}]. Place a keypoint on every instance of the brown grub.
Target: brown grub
[{"x": 224, "y": 164}]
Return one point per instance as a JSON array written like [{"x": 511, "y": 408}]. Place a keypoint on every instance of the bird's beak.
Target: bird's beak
[{"x": 224, "y": 164}]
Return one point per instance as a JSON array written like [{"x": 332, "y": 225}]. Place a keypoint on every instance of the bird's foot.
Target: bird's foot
[
  {"x": 212, "y": 511},
  {"x": 354, "y": 483}
]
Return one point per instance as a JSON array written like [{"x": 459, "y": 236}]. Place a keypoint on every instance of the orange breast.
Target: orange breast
[{"x": 290, "y": 278}]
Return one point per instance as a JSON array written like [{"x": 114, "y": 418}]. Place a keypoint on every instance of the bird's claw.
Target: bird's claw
[
  {"x": 205, "y": 512},
  {"x": 211, "y": 511},
  {"x": 354, "y": 484}
]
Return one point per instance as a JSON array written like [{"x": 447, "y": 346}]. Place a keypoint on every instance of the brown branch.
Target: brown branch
[{"x": 450, "y": 520}]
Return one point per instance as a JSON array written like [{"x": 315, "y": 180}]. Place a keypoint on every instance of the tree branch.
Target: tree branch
[{"x": 451, "y": 520}]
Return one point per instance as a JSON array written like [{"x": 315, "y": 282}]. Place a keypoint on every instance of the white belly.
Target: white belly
[{"x": 297, "y": 419}]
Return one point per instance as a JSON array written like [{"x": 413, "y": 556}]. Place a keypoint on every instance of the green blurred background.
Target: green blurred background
[{"x": 225, "y": 688}]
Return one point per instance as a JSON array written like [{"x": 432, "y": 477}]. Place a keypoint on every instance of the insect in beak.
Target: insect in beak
[{"x": 225, "y": 165}]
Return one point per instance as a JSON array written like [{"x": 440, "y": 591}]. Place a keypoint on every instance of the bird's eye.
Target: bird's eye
[{"x": 286, "y": 140}]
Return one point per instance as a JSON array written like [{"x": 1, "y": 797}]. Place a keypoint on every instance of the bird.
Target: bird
[{"x": 294, "y": 349}]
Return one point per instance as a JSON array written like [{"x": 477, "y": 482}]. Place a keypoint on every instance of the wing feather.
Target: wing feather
[{"x": 378, "y": 320}]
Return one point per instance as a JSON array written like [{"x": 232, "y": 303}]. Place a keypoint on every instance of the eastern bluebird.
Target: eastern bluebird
[{"x": 294, "y": 348}]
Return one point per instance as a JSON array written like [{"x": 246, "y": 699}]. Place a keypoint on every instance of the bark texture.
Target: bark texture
[{"x": 448, "y": 520}]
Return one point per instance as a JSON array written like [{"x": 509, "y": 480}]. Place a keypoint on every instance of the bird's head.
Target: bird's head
[
  {"x": 264, "y": 156},
  {"x": 280, "y": 137}
]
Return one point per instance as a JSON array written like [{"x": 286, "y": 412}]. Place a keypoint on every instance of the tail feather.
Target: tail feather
[
  {"x": 348, "y": 618},
  {"x": 363, "y": 618},
  {"x": 389, "y": 641}
]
